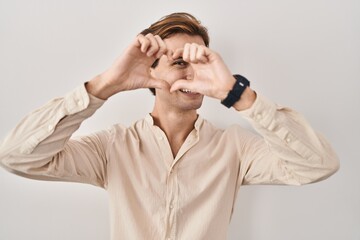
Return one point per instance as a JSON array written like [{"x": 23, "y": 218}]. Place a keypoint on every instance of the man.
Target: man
[{"x": 172, "y": 175}]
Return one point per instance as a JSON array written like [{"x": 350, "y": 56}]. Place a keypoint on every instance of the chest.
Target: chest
[{"x": 150, "y": 166}]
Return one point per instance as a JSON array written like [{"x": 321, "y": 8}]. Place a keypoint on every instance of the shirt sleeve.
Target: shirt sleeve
[
  {"x": 288, "y": 150},
  {"x": 39, "y": 146}
]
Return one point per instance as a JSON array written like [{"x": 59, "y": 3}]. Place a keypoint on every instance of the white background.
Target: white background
[{"x": 303, "y": 54}]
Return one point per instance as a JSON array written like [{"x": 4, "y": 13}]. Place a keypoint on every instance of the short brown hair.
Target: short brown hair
[{"x": 174, "y": 23}]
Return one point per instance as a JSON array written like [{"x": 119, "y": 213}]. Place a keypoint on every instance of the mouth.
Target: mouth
[{"x": 183, "y": 90}]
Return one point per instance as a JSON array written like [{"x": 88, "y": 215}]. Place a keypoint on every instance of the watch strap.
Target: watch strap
[{"x": 235, "y": 93}]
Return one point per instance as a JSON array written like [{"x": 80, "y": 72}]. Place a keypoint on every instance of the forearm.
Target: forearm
[
  {"x": 292, "y": 146},
  {"x": 44, "y": 132}
]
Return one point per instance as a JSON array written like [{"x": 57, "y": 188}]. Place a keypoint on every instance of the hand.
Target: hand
[
  {"x": 211, "y": 76},
  {"x": 132, "y": 69}
]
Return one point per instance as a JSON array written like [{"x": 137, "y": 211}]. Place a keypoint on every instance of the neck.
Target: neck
[{"x": 176, "y": 125}]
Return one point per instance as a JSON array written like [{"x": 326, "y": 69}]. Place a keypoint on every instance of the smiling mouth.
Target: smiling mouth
[{"x": 187, "y": 91}]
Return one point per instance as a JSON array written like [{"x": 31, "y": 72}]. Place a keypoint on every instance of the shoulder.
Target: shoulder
[
  {"x": 133, "y": 131},
  {"x": 234, "y": 132}
]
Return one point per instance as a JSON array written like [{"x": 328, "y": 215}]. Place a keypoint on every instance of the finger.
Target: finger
[
  {"x": 184, "y": 84},
  {"x": 162, "y": 46},
  {"x": 177, "y": 53},
  {"x": 186, "y": 53},
  {"x": 154, "y": 47},
  {"x": 179, "y": 84},
  {"x": 169, "y": 54},
  {"x": 200, "y": 54},
  {"x": 144, "y": 43},
  {"x": 193, "y": 51},
  {"x": 158, "y": 84},
  {"x": 137, "y": 42}
]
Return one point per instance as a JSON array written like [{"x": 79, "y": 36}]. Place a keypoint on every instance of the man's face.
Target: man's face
[{"x": 171, "y": 70}]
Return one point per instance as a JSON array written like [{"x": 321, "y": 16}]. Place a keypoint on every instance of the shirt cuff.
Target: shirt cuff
[
  {"x": 261, "y": 112},
  {"x": 43, "y": 122},
  {"x": 79, "y": 99}
]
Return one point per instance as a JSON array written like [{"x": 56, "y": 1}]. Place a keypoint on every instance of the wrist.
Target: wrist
[
  {"x": 246, "y": 100},
  {"x": 223, "y": 93},
  {"x": 234, "y": 95},
  {"x": 100, "y": 88}
]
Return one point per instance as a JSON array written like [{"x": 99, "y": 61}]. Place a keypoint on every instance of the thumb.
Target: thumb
[
  {"x": 158, "y": 83},
  {"x": 182, "y": 84}
]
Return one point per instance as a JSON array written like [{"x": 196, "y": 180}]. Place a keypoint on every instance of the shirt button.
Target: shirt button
[
  {"x": 288, "y": 140},
  {"x": 171, "y": 206},
  {"x": 50, "y": 128},
  {"x": 80, "y": 102},
  {"x": 258, "y": 116}
]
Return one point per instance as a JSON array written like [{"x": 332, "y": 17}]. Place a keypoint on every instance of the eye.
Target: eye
[{"x": 180, "y": 63}]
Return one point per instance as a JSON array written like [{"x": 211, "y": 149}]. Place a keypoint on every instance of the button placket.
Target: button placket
[{"x": 171, "y": 205}]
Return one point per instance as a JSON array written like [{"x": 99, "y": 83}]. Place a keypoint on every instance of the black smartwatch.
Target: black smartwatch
[{"x": 235, "y": 93}]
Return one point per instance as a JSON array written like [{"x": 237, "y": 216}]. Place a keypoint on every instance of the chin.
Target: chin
[{"x": 192, "y": 106}]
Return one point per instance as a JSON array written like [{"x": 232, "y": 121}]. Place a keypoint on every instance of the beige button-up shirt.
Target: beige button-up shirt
[{"x": 154, "y": 196}]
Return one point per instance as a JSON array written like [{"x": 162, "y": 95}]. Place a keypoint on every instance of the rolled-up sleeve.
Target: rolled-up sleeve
[
  {"x": 39, "y": 146},
  {"x": 288, "y": 151}
]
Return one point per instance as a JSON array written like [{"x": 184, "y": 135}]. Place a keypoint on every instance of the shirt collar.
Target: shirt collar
[{"x": 149, "y": 119}]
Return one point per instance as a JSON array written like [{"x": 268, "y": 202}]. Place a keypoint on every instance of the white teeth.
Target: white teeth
[{"x": 185, "y": 90}]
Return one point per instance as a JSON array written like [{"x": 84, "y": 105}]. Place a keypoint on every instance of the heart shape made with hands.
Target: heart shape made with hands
[{"x": 211, "y": 76}]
